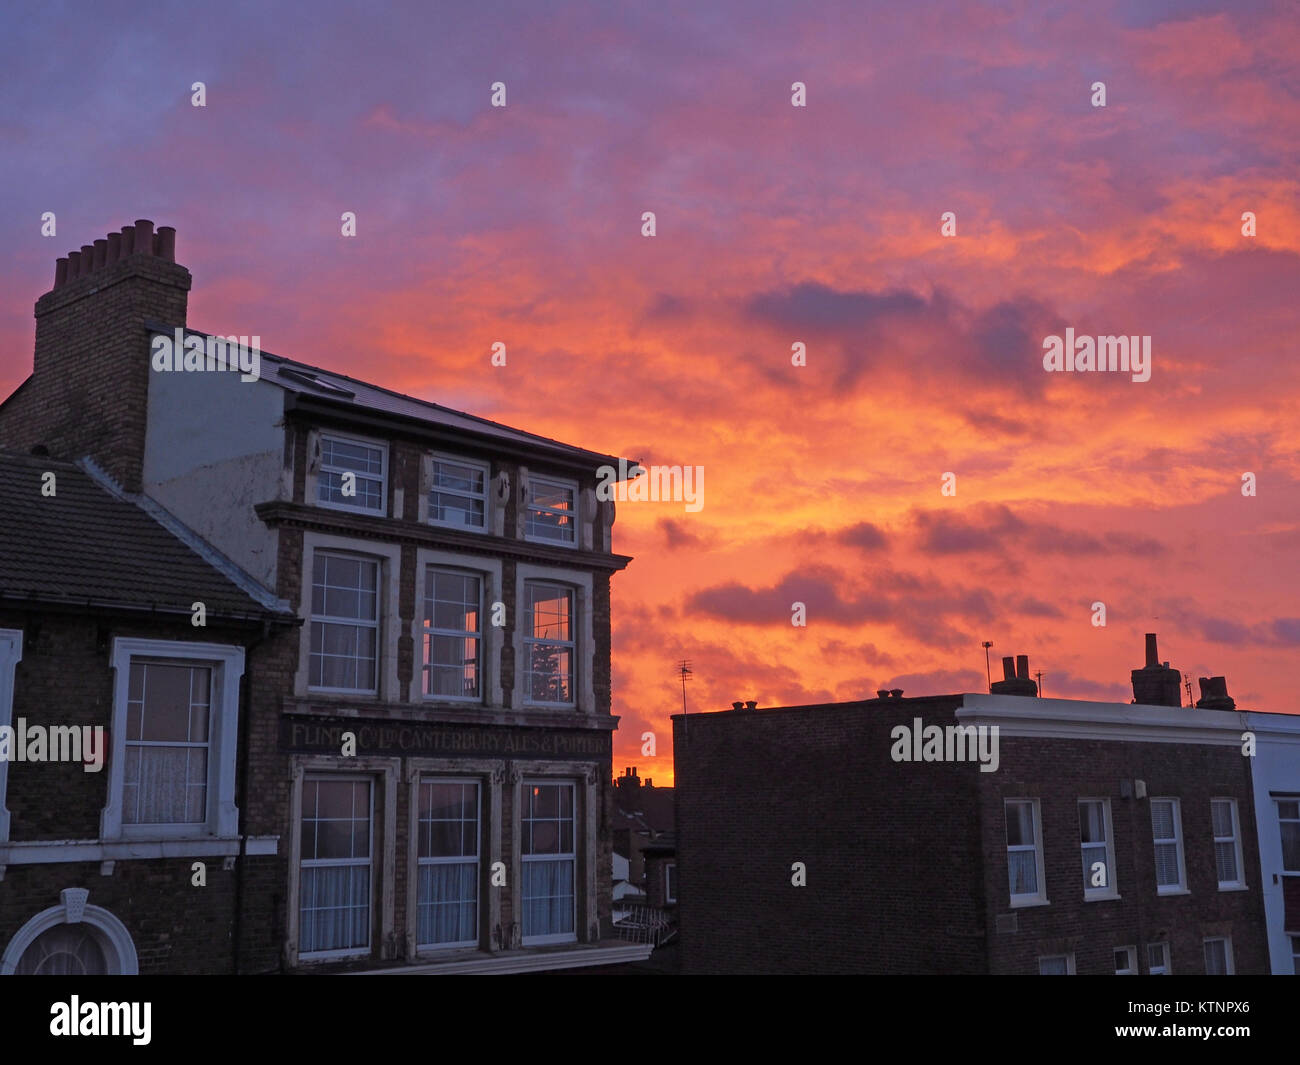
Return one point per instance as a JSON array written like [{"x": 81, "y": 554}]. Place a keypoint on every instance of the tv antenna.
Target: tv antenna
[
  {"x": 986, "y": 644},
  {"x": 685, "y": 672},
  {"x": 1039, "y": 675}
]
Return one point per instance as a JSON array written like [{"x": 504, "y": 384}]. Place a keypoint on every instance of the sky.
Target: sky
[{"x": 774, "y": 225}]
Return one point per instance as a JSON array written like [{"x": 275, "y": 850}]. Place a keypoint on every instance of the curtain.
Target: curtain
[
  {"x": 548, "y": 897},
  {"x": 165, "y": 785},
  {"x": 448, "y": 903},
  {"x": 335, "y": 907},
  {"x": 64, "y": 950}
]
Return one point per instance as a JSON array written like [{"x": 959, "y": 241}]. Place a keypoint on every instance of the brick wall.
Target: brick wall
[
  {"x": 891, "y": 849},
  {"x": 65, "y": 678},
  {"x": 90, "y": 378},
  {"x": 1059, "y": 772}
]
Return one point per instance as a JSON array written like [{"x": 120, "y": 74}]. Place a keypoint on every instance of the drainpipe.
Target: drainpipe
[{"x": 241, "y": 787}]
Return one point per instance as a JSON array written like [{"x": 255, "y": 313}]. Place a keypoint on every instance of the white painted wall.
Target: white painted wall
[
  {"x": 215, "y": 448},
  {"x": 1276, "y": 768}
]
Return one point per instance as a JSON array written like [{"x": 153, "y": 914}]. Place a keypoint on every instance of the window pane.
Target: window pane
[
  {"x": 1092, "y": 823},
  {"x": 548, "y": 897},
  {"x": 1020, "y": 824},
  {"x": 1023, "y": 872},
  {"x": 1221, "y": 815},
  {"x": 1216, "y": 957},
  {"x": 1225, "y": 861},
  {"x": 1162, "y": 819},
  {"x": 1291, "y": 846},
  {"x": 1052, "y": 967}
]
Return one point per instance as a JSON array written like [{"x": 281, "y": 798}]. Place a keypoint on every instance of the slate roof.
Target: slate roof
[
  {"x": 91, "y": 544},
  {"x": 305, "y": 380}
]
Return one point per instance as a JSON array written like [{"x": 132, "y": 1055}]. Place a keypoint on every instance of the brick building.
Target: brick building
[
  {"x": 100, "y": 593},
  {"x": 1093, "y": 838},
  {"x": 432, "y": 746}
]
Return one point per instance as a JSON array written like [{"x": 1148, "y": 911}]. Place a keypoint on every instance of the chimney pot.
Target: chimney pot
[
  {"x": 1008, "y": 668},
  {"x": 60, "y": 271},
  {"x": 751, "y": 704},
  {"x": 128, "y": 241},
  {"x": 738, "y": 705},
  {"x": 897, "y": 693},
  {"x": 1022, "y": 667},
  {"x": 144, "y": 236},
  {"x": 101, "y": 253},
  {"x": 1153, "y": 657},
  {"x": 87, "y": 259},
  {"x": 74, "y": 265},
  {"x": 882, "y": 693},
  {"x": 167, "y": 243},
  {"x": 114, "y": 247}
]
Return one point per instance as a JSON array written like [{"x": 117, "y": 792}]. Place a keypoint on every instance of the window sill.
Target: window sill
[
  {"x": 43, "y": 852},
  {"x": 1234, "y": 887},
  {"x": 1021, "y": 904},
  {"x": 1102, "y": 898},
  {"x": 1172, "y": 891}
]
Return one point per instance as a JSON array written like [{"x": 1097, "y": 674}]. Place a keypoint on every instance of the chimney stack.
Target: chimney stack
[
  {"x": 89, "y": 385},
  {"x": 1015, "y": 677},
  {"x": 1155, "y": 684},
  {"x": 1214, "y": 695}
]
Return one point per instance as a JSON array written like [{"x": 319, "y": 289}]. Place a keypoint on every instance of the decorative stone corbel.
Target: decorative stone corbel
[
  {"x": 587, "y": 516},
  {"x": 501, "y": 496}
]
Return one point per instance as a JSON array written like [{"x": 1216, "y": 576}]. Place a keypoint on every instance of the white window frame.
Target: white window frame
[
  {"x": 11, "y": 653},
  {"x": 584, "y": 655},
  {"x": 1111, "y": 890},
  {"x": 575, "y": 856},
  {"x": 479, "y": 464},
  {"x": 347, "y": 438},
  {"x": 1164, "y": 968},
  {"x": 1235, "y": 839},
  {"x": 420, "y": 862},
  {"x": 1038, "y": 897},
  {"x": 1179, "y": 888},
  {"x": 342, "y": 952},
  {"x": 670, "y": 896},
  {"x": 1229, "y": 968},
  {"x": 227, "y": 663},
  {"x": 571, "y": 644},
  {"x": 1279, "y": 800},
  {"x": 1131, "y": 969},
  {"x": 308, "y": 593},
  {"x": 488, "y": 570},
  {"x": 1293, "y": 939},
  {"x": 390, "y": 624},
  {"x": 427, "y": 629},
  {"x": 141, "y": 745},
  {"x": 1069, "y": 963},
  {"x": 382, "y": 773},
  {"x": 575, "y": 518}
]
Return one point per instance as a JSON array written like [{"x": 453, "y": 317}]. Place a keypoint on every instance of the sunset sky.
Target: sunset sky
[{"x": 775, "y": 225}]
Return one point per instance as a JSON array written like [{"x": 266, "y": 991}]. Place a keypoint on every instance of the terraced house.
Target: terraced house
[{"x": 431, "y": 745}]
